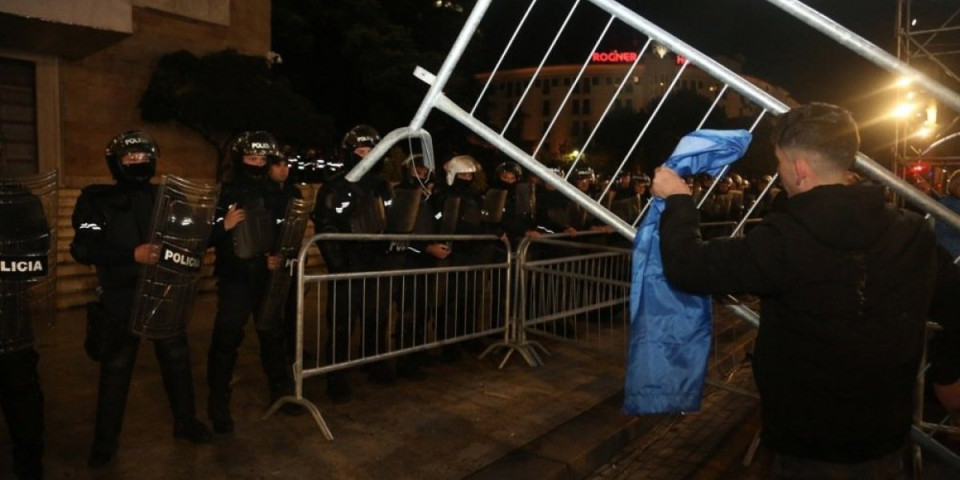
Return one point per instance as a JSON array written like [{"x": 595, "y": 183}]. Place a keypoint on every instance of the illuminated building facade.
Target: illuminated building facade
[{"x": 596, "y": 90}]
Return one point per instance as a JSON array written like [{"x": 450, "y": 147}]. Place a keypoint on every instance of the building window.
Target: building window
[
  {"x": 509, "y": 89},
  {"x": 18, "y": 119},
  {"x": 586, "y": 126},
  {"x": 576, "y": 87},
  {"x": 609, "y": 80},
  {"x": 555, "y": 82},
  {"x": 546, "y": 126},
  {"x": 536, "y": 83},
  {"x": 586, "y": 86},
  {"x": 595, "y": 80},
  {"x": 575, "y": 128},
  {"x": 566, "y": 81},
  {"x": 586, "y": 106},
  {"x": 546, "y": 87},
  {"x": 576, "y": 107},
  {"x": 546, "y": 107}
]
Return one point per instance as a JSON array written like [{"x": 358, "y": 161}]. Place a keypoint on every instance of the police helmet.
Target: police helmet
[
  {"x": 256, "y": 143},
  {"x": 360, "y": 136},
  {"x": 585, "y": 173},
  {"x": 460, "y": 164},
  {"x": 641, "y": 178},
  {"x": 132, "y": 141},
  {"x": 414, "y": 162},
  {"x": 511, "y": 167}
]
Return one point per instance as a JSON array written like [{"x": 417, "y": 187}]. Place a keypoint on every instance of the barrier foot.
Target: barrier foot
[
  {"x": 527, "y": 350},
  {"x": 314, "y": 411}
]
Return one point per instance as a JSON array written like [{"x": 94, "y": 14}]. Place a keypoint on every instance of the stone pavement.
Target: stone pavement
[
  {"x": 468, "y": 419},
  {"x": 462, "y": 417}
]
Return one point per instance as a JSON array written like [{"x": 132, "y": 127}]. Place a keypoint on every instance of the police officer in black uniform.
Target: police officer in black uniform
[
  {"x": 244, "y": 235},
  {"x": 347, "y": 207},
  {"x": 281, "y": 186},
  {"x": 21, "y": 217},
  {"x": 112, "y": 225},
  {"x": 458, "y": 206}
]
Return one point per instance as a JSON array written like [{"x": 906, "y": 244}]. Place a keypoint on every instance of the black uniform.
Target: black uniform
[
  {"x": 20, "y": 396},
  {"x": 458, "y": 315},
  {"x": 283, "y": 194},
  {"x": 241, "y": 267},
  {"x": 110, "y": 221},
  {"x": 347, "y": 207}
]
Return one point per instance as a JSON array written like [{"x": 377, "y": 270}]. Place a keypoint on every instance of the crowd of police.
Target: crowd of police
[{"x": 113, "y": 223}]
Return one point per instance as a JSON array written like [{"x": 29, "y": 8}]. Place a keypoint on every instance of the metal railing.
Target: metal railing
[{"x": 387, "y": 307}]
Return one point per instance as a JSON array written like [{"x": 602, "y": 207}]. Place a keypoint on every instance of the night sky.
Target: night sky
[{"x": 772, "y": 45}]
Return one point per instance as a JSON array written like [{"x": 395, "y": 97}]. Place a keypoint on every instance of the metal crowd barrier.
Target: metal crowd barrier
[
  {"x": 572, "y": 287},
  {"x": 395, "y": 307}
]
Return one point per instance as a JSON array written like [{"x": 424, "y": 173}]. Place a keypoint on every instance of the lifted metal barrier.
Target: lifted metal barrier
[
  {"x": 359, "y": 317},
  {"x": 729, "y": 82}
]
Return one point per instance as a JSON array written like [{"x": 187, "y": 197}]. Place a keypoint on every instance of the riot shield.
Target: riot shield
[
  {"x": 494, "y": 201},
  {"x": 628, "y": 209},
  {"x": 449, "y": 216},
  {"x": 182, "y": 220},
  {"x": 403, "y": 210},
  {"x": 278, "y": 285},
  {"x": 28, "y": 257}
]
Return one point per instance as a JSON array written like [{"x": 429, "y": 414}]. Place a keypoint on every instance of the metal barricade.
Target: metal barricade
[
  {"x": 574, "y": 288},
  {"x": 356, "y": 317}
]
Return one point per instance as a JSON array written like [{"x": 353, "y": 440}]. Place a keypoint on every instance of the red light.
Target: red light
[{"x": 918, "y": 168}]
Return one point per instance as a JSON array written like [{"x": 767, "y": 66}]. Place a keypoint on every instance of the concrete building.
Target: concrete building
[
  {"x": 72, "y": 73},
  {"x": 598, "y": 89}
]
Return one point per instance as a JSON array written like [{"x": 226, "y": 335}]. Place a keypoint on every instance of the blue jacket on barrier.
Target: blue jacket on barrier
[{"x": 670, "y": 330}]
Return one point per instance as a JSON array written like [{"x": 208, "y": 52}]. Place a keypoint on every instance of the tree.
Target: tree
[{"x": 225, "y": 93}]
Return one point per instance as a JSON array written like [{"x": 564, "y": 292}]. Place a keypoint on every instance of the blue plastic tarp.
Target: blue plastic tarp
[{"x": 670, "y": 330}]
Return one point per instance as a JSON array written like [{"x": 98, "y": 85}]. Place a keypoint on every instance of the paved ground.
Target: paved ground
[
  {"x": 467, "y": 419},
  {"x": 463, "y": 416}
]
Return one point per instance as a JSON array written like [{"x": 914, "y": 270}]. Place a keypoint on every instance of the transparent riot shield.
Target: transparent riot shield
[
  {"x": 182, "y": 220},
  {"x": 28, "y": 257},
  {"x": 278, "y": 285}
]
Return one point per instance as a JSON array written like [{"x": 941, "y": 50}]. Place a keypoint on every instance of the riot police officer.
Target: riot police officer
[
  {"x": 244, "y": 235},
  {"x": 347, "y": 207},
  {"x": 284, "y": 190},
  {"x": 24, "y": 237},
  {"x": 458, "y": 208},
  {"x": 112, "y": 225}
]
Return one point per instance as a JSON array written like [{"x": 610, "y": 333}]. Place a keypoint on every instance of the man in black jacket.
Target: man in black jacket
[{"x": 846, "y": 282}]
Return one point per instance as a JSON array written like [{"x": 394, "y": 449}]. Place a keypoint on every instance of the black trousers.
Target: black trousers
[
  {"x": 173, "y": 354},
  {"x": 237, "y": 300},
  {"x": 22, "y": 403}
]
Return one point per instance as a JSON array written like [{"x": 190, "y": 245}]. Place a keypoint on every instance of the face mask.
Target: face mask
[
  {"x": 461, "y": 185},
  {"x": 140, "y": 172},
  {"x": 253, "y": 171}
]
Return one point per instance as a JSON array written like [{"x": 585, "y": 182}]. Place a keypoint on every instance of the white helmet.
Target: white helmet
[{"x": 460, "y": 164}]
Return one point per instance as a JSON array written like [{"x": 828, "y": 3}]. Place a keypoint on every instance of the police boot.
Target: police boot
[
  {"x": 112, "y": 402},
  {"x": 278, "y": 370},
  {"x": 174, "y": 357},
  {"x": 219, "y": 373}
]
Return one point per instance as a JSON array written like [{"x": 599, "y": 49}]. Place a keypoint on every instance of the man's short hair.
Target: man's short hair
[{"x": 820, "y": 128}]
